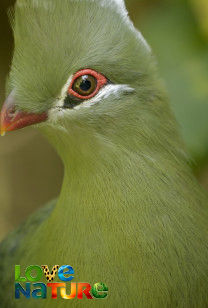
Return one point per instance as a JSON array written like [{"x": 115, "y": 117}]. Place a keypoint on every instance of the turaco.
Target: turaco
[{"x": 130, "y": 213}]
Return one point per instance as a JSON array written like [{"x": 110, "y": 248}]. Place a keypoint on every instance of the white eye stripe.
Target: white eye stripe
[
  {"x": 65, "y": 88},
  {"x": 110, "y": 90},
  {"x": 104, "y": 93}
]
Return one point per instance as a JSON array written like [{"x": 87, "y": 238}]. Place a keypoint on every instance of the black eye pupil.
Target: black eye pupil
[{"x": 85, "y": 85}]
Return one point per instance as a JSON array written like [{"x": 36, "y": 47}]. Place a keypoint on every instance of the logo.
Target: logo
[{"x": 30, "y": 285}]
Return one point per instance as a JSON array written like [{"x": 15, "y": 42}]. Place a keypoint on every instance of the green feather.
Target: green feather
[{"x": 130, "y": 213}]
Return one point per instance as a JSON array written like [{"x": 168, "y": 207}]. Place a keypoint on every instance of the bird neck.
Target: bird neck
[
  {"x": 114, "y": 172},
  {"x": 114, "y": 181}
]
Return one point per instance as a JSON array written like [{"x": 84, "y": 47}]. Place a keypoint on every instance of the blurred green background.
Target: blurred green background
[{"x": 31, "y": 173}]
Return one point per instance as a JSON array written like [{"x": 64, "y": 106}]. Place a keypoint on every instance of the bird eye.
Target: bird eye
[{"x": 86, "y": 84}]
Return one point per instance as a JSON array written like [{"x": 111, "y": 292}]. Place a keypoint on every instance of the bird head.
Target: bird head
[{"x": 78, "y": 64}]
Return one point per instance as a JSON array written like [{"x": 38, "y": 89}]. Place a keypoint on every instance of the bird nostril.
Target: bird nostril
[{"x": 12, "y": 112}]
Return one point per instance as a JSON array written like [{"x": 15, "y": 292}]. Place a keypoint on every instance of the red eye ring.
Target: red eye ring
[{"x": 100, "y": 79}]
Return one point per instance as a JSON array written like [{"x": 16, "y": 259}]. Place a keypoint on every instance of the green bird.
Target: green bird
[{"x": 130, "y": 214}]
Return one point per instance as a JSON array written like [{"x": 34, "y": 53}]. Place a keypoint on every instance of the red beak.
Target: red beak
[{"x": 13, "y": 119}]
